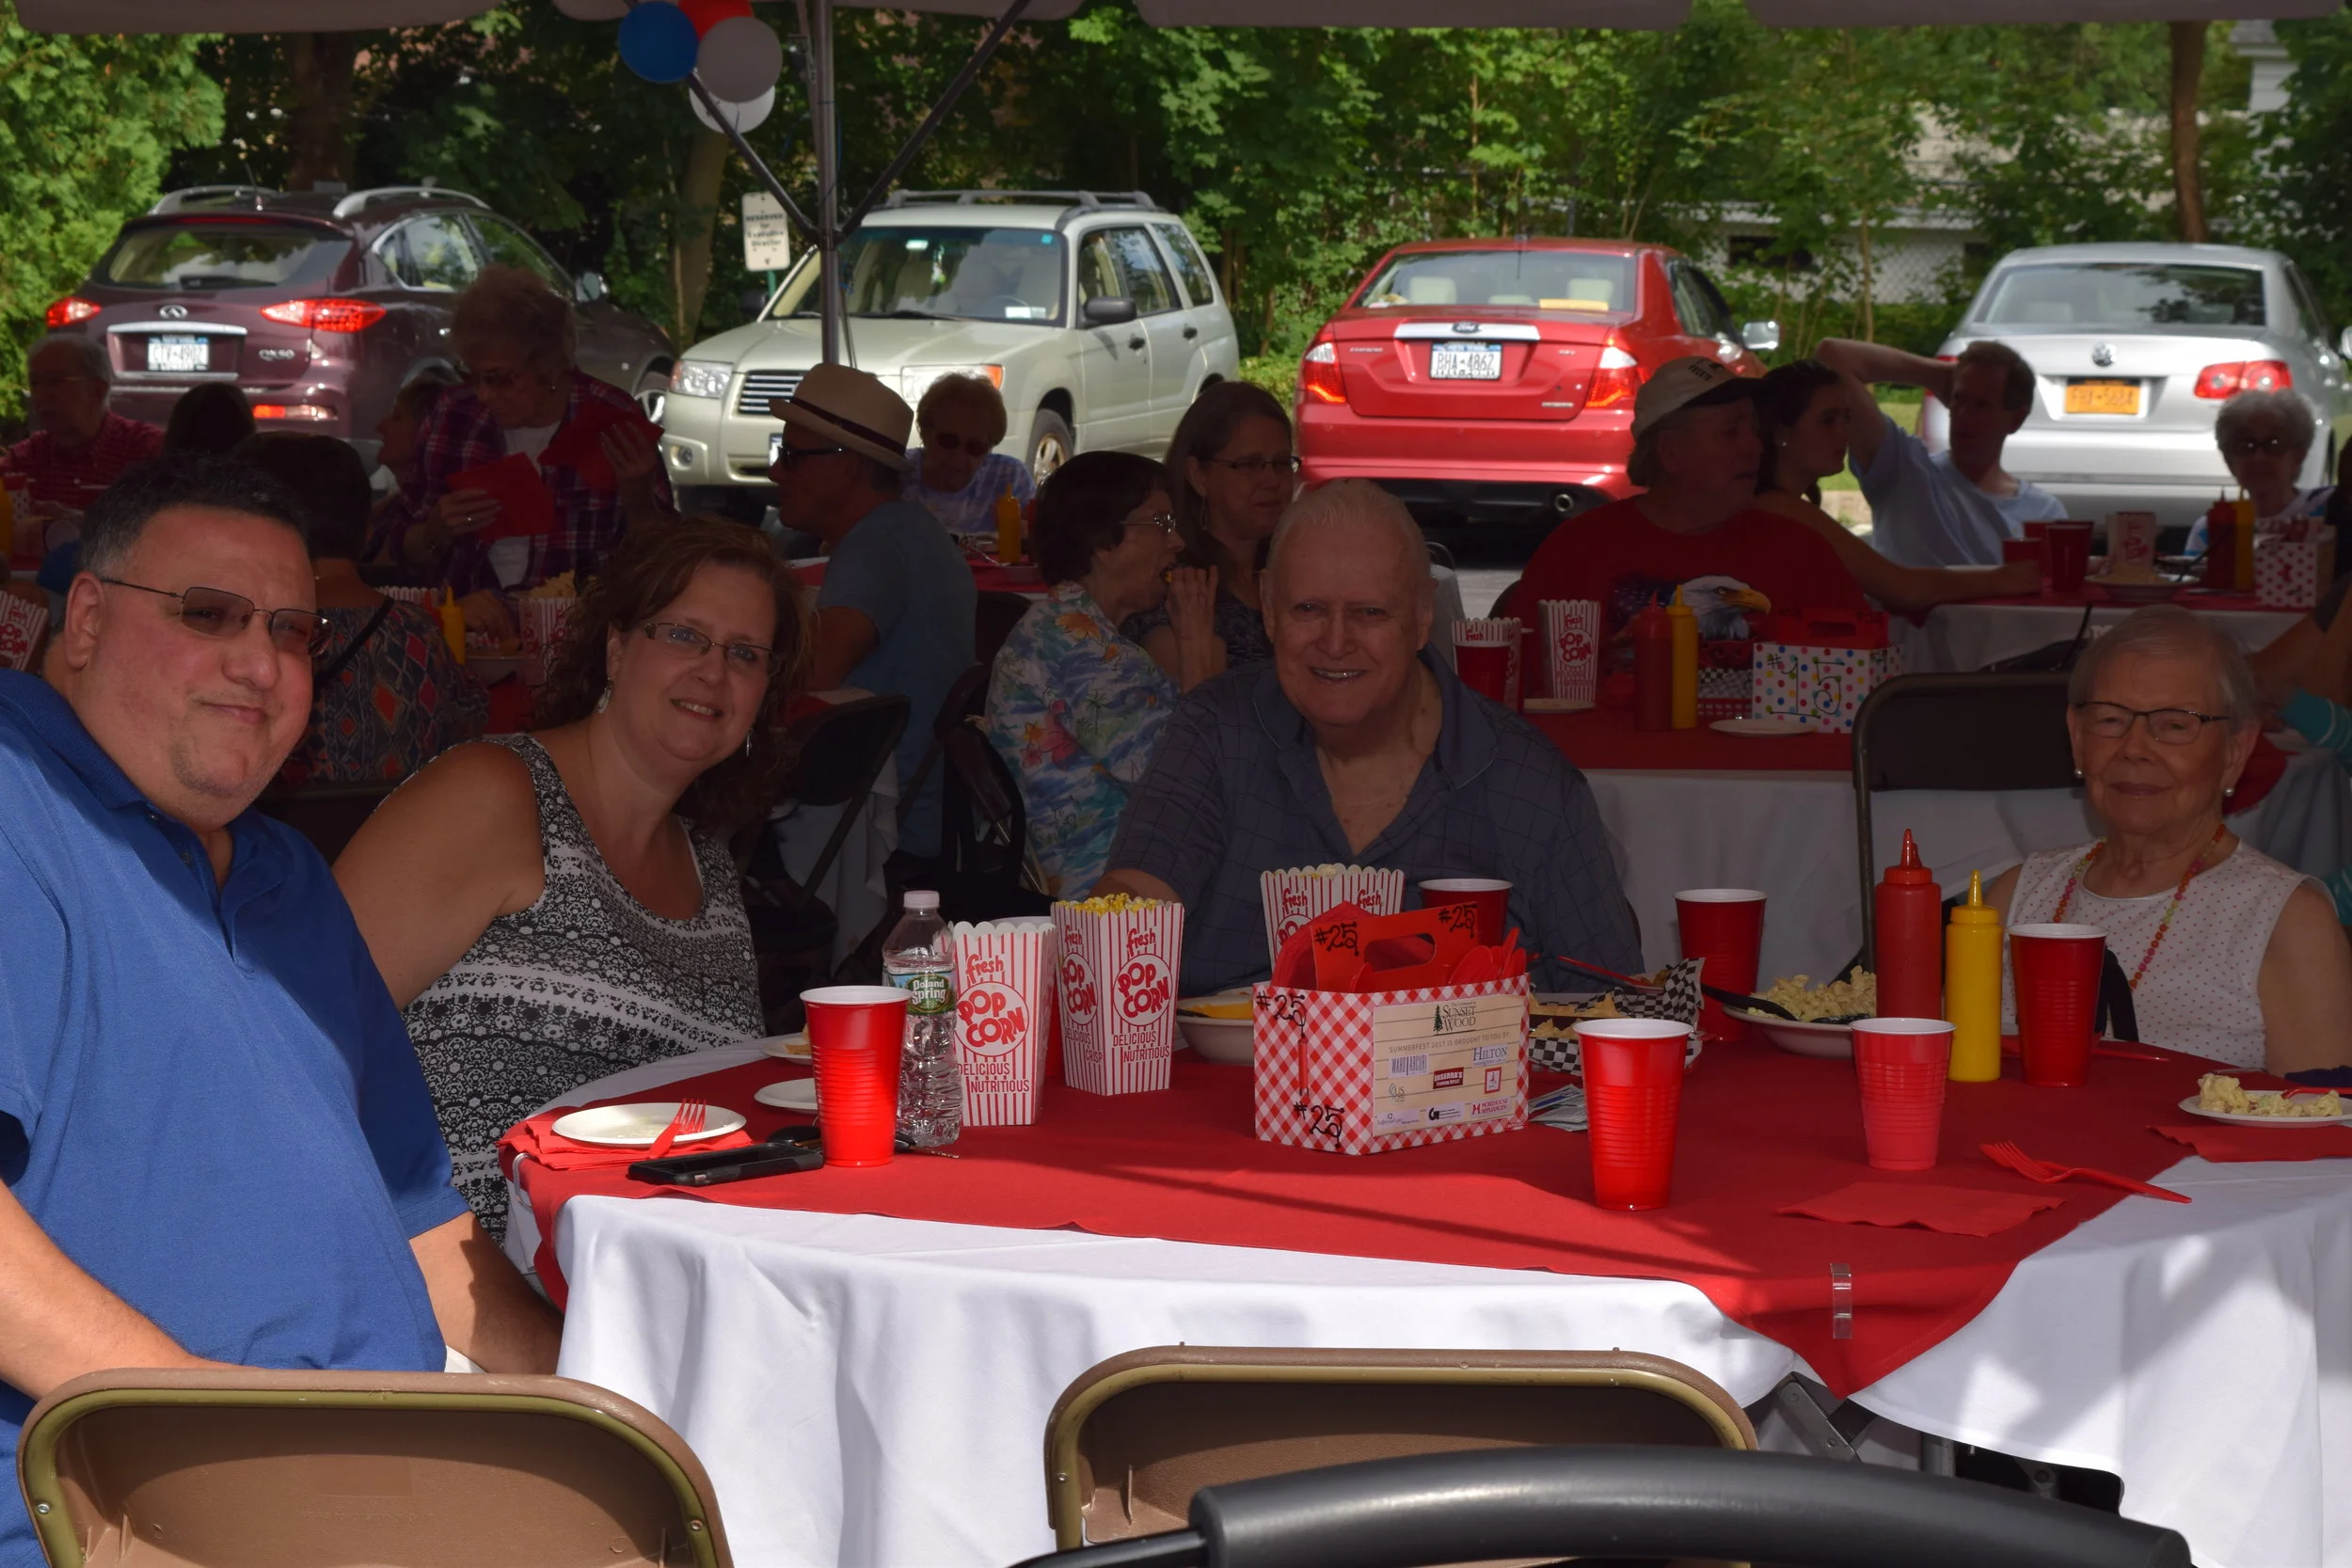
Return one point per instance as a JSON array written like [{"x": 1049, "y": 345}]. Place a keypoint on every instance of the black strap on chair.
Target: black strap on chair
[{"x": 965, "y": 699}]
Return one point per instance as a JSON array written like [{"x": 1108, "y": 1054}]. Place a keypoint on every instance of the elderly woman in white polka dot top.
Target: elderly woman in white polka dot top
[{"x": 2230, "y": 955}]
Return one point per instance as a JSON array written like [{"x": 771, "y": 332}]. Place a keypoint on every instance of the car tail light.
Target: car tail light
[
  {"x": 1319, "y": 375},
  {"x": 71, "y": 310},
  {"x": 325, "y": 315},
  {"x": 1617, "y": 380},
  {"x": 296, "y": 411},
  {"x": 2250, "y": 376}
]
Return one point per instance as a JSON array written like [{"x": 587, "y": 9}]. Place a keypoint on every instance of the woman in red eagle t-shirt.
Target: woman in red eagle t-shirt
[{"x": 1695, "y": 525}]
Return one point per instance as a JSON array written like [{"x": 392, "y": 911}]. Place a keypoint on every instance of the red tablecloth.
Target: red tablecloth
[
  {"x": 1760, "y": 1129},
  {"x": 1605, "y": 737}
]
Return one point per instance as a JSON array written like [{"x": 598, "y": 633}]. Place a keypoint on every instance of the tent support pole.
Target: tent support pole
[
  {"x": 824, "y": 126},
  {"x": 998, "y": 32}
]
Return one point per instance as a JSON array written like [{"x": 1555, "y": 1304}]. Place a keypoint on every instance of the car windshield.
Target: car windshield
[
  {"x": 2124, "y": 296},
  {"x": 218, "y": 255},
  {"x": 1579, "y": 281},
  {"x": 991, "y": 274}
]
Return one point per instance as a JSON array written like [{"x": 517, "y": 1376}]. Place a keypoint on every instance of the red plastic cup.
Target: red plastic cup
[
  {"x": 1903, "y": 1064},
  {"x": 855, "y": 1037},
  {"x": 2054, "y": 970},
  {"x": 2069, "y": 544},
  {"x": 1726, "y": 926},
  {"x": 1484, "y": 668},
  {"x": 1493, "y": 899},
  {"x": 1632, "y": 1098},
  {"x": 2024, "y": 549}
]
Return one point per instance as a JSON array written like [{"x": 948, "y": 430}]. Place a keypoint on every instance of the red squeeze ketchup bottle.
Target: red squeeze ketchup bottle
[
  {"x": 2222, "y": 546},
  {"x": 1909, "y": 923},
  {"x": 1653, "y": 670}
]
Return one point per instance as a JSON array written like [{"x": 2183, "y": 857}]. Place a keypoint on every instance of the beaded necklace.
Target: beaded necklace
[{"x": 2075, "y": 876}]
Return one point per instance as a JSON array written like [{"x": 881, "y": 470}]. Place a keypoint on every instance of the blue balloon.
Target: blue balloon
[{"x": 659, "y": 41}]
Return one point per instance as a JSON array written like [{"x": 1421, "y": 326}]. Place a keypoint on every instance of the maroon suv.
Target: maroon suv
[{"x": 319, "y": 305}]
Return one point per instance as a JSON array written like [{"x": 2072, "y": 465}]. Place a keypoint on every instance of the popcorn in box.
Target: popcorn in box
[
  {"x": 1294, "y": 897},
  {"x": 2290, "y": 574},
  {"x": 1003, "y": 999},
  {"x": 1117, "y": 958},
  {"x": 1366, "y": 1072}
]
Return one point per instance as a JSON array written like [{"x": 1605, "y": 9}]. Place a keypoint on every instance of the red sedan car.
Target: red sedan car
[{"x": 1492, "y": 381}]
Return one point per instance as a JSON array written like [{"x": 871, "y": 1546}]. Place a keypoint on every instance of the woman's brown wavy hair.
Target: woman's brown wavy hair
[{"x": 636, "y": 583}]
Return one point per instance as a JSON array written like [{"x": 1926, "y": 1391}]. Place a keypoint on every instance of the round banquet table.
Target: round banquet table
[
  {"x": 1697, "y": 809},
  {"x": 1957, "y": 637},
  {"x": 870, "y": 1390}
]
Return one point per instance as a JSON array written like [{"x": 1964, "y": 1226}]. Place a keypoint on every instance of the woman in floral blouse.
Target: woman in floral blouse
[{"x": 1075, "y": 706}]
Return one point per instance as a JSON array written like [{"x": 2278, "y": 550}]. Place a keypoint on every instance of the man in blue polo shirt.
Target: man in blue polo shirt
[{"x": 215, "y": 1143}]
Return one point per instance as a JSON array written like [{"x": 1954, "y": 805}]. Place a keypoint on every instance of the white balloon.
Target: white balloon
[
  {"x": 740, "y": 58},
  {"x": 594, "y": 10},
  {"x": 743, "y": 116}
]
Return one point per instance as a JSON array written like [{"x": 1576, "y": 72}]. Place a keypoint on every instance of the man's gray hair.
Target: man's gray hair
[
  {"x": 1353, "y": 499},
  {"x": 2168, "y": 631},
  {"x": 88, "y": 351},
  {"x": 2293, "y": 414}
]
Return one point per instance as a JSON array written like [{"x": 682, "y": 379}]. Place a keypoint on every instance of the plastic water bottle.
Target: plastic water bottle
[{"x": 930, "y": 1086}]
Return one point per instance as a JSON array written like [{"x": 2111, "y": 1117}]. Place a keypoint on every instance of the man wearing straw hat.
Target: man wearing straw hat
[{"x": 895, "y": 612}]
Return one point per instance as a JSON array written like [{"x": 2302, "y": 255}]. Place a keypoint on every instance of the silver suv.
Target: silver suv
[
  {"x": 1095, "y": 315},
  {"x": 2136, "y": 348}
]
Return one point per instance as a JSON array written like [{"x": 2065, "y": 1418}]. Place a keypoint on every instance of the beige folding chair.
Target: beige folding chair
[
  {"x": 234, "y": 1467},
  {"x": 1133, "y": 1438}
]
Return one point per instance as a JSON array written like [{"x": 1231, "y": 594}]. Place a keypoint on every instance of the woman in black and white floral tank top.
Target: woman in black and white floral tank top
[{"x": 551, "y": 907}]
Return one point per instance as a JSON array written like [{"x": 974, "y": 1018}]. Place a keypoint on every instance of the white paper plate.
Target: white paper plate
[
  {"x": 793, "y": 1047},
  {"x": 2236, "y": 1120},
  {"x": 1556, "y": 704},
  {"x": 793, "y": 1094},
  {"x": 637, "y": 1126},
  {"x": 1761, "y": 727}
]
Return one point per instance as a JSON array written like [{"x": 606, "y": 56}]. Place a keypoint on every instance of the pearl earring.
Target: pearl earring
[
  {"x": 747, "y": 743},
  {"x": 604, "y": 699}
]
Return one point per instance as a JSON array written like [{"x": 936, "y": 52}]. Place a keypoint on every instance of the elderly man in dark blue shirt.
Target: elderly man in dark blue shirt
[
  {"x": 215, "y": 1141},
  {"x": 1355, "y": 745}
]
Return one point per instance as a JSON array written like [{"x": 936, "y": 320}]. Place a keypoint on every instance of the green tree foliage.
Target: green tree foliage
[
  {"x": 2300, "y": 196},
  {"x": 87, "y": 126}
]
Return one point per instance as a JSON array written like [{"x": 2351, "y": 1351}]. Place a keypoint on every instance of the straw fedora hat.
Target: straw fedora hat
[{"x": 850, "y": 405}]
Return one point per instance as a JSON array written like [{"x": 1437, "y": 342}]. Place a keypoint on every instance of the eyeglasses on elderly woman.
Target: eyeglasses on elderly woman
[{"x": 2172, "y": 727}]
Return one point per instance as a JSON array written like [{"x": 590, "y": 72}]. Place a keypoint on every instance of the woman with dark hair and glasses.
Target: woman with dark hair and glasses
[
  {"x": 1234, "y": 473},
  {"x": 1075, "y": 706},
  {"x": 550, "y": 908},
  {"x": 2230, "y": 955}
]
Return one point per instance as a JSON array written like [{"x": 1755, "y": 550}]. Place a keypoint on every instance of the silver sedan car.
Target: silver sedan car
[{"x": 2136, "y": 348}]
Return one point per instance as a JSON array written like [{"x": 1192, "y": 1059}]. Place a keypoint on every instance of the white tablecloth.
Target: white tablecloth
[
  {"x": 1966, "y": 637},
  {"x": 1792, "y": 834},
  {"x": 866, "y": 1390}
]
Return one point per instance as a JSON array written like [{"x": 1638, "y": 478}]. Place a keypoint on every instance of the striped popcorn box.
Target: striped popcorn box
[
  {"x": 544, "y": 621},
  {"x": 1002, "y": 1002},
  {"x": 1572, "y": 647},
  {"x": 429, "y": 597},
  {"x": 20, "y": 624},
  {"x": 1294, "y": 897},
  {"x": 1117, "y": 958}
]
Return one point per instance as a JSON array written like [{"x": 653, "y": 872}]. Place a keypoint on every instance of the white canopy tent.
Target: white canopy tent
[{"x": 825, "y": 224}]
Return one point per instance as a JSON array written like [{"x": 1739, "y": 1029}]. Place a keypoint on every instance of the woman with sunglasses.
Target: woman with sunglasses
[
  {"x": 550, "y": 908},
  {"x": 959, "y": 473},
  {"x": 2265, "y": 438},
  {"x": 1234, "y": 474},
  {"x": 2229, "y": 954},
  {"x": 1075, "y": 706}
]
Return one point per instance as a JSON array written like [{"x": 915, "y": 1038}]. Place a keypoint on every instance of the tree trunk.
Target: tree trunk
[
  {"x": 2188, "y": 76},
  {"x": 697, "y": 222},
  {"x": 319, "y": 128}
]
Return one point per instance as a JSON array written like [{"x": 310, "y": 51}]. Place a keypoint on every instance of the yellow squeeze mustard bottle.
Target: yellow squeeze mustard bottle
[
  {"x": 2244, "y": 507},
  {"x": 453, "y": 626},
  {"x": 1008, "y": 528},
  {"x": 1683, "y": 628},
  {"x": 1972, "y": 987}
]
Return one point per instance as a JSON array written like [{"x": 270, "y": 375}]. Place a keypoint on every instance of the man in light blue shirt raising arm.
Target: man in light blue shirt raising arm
[{"x": 1948, "y": 508}]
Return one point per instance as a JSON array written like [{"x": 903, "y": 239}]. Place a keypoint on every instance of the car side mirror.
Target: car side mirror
[
  {"x": 1107, "y": 311},
  {"x": 2344, "y": 342},
  {"x": 1762, "y": 336},
  {"x": 588, "y": 288}
]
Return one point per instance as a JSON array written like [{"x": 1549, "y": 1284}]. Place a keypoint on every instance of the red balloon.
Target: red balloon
[{"x": 704, "y": 14}]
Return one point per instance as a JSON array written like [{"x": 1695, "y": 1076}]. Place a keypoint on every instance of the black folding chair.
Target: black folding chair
[
  {"x": 984, "y": 834},
  {"x": 967, "y": 699},
  {"x": 326, "y": 815},
  {"x": 994, "y": 616},
  {"x": 1981, "y": 732}
]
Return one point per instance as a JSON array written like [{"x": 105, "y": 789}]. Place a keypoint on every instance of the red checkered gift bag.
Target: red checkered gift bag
[
  {"x": 1003, "y": 999},
  {"x": 1118, "y": 961}
]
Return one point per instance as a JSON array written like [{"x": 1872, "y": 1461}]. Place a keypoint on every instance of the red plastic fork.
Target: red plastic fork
[
  {"x": 2024, "y": 1164},
  {"x": 691, "y": 1115}
]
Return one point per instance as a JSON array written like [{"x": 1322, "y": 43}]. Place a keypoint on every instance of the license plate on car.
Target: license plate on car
[
  {"x": 2102, "y": 397},
  {"x": 1466, "y": 361},
  {"x": 179, "y": 353}
]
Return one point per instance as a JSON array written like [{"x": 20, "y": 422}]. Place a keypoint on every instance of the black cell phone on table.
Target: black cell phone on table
[{"x": 787, "y": 1150}]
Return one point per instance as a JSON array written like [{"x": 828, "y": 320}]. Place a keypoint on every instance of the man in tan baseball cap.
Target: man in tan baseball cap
[
  {"x": 1696, "y": 450},
  {"x": 893, "y": 613}
]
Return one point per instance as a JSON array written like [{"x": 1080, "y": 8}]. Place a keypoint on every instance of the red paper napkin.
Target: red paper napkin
[
  {"x": 537, "y": 1138},
  {"x": 580, "y": 446},
  {"x": 525, "y": 508},
  {"x": 1954, "y": 1210},
  {"x": 2227, "y": 1144}
]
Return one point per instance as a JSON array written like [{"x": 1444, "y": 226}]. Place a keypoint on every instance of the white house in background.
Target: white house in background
[{"x": 2269, "y": 66}]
